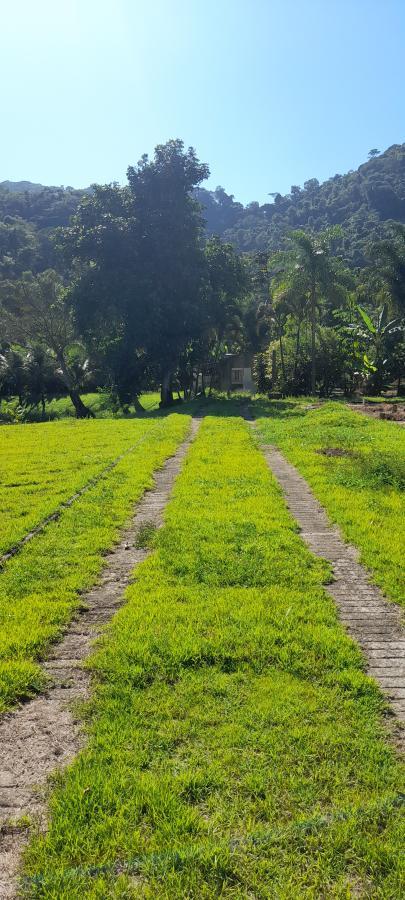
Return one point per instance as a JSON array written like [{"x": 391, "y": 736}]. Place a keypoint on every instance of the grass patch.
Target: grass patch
[
  {"x": 43, "y": 465},
  {"x": 99, "y": 402},
  {"x": 235, "y": 743},
  {"x": 41, "y": 586},
  {"x": 145, "y": 536},
  {"x": 360, "y": 484}
]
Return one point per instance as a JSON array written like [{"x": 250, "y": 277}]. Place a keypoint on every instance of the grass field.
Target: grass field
[
  {"x": 235, "y": 745},
  {"x": 99, "y": 402},
  {"x": 43, "y": 465},
  {"x": 362, "y": 486},
  {"x": 40, "y": 587}
]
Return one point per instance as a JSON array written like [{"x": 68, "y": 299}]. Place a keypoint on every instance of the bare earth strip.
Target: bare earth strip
[
  {"x": 44, "y": 734},
  {"x": 373, "y": 622}
]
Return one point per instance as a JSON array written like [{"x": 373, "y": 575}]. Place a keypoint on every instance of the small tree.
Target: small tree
[
  {"x": 378, "y": 332},
  {"x": 39, "y": 376},
  {"x": 37, "y": 315}
]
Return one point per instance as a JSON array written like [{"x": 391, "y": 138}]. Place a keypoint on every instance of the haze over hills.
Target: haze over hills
[{"x": 362, "y": 202}]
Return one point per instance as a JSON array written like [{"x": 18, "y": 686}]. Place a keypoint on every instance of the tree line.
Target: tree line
[
  {"x": 128, "y": 293},
  {"x": 140, "y": 297},
  {"x": 332, "y": 328}
]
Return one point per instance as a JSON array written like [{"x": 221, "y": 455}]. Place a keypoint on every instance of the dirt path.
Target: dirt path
[
  {"x": 373, "y": 622},
  {"x": 44, "y": 734}
]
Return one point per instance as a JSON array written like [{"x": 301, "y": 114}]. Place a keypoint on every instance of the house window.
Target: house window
[{"x": 237, "y": 376}]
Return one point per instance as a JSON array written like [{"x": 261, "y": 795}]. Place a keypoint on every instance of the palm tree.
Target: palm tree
[
  {"x": 389, "y": 256},
  {"x": 12, "y": 378},
  {"x": 320, "y": 276},
  {"x": 289, "y": 293},
  {"x": 39, "y": 372}
]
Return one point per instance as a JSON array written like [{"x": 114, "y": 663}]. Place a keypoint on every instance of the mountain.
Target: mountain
[
  {"x": 363, "y": 202},
  {"x": 20, "y": 187}
]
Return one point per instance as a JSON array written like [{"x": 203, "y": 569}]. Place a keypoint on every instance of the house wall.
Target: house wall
[{"x": 243, "y": 362}]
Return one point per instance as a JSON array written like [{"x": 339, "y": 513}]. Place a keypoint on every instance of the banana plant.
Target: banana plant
[{"x": 377, "y": 333}]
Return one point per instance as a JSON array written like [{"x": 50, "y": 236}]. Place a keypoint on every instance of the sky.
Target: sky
[{"x": 269, "y": 92}]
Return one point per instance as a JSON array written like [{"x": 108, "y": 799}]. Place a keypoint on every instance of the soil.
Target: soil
[
  {"x": 393, "y": 412},
  {"x": 335, "y": 451}
]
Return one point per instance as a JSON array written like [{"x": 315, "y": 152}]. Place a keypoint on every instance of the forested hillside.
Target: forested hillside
[
  {"x": 27, "y": 220},
  {"x": 121, "y": 287},
  {"x": 361, "y": 202}
]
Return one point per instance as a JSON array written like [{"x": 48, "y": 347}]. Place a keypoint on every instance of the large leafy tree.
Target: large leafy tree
[
  {"x": 228, "y": 290},
  {"x": 173, "y": 263},
  {"x": 108, "y": 292},
  {"x": 141, "y": 275}
]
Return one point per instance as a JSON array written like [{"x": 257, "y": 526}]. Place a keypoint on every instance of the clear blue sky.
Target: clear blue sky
[{"x": 269, "y": 92}]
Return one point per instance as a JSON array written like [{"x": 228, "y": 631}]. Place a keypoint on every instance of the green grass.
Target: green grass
[
  {"x": 40, "y": 587},
  {"x": 385, "y": 399},
  {"x": 43, "y": 465},
  {"x": 235, "y": 744},
  {"x": 99, "y": 402},
  {"x": 364, "y": 491}
]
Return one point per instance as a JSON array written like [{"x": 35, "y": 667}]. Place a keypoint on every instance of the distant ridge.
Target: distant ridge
[
  {"x": 30, "y": 187},
  {"x": 20, "y": 187},
  {"x": 363, "y": 202}
]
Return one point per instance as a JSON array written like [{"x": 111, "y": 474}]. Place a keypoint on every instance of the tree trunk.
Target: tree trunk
[
  {"x": 273, "y": 369},
  {"x": 43, "y": 405},
  {"x": 297, "y": 348},
  {"x": 313, "y": 346},
  {"x": 82, "y": 411},
  {"x": 138, "y": 405},
  {"x": 282, "y": 360},
  {"x": 166, "y": 393}
]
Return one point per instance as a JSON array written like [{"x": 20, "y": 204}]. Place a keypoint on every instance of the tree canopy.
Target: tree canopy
[{"x": 143, "y": 285}]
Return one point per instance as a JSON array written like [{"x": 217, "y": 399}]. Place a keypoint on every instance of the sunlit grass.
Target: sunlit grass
[
  {"x": 235, "y": 744},
  {"x": 99, "y": 402},
  {"x": 41, "y": 586},
  {"x": 45, "y": 464},
  {"x": 362, "y": 491}
]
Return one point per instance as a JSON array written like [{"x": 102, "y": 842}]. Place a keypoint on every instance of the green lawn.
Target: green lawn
[
  {"x": 362, "y": 490},
  {"x": 100, "y": 403},
  {"x": 45, "y": 464},
  {"x": 236, "y": 747},
  {"x": 40, "y": 587}
]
